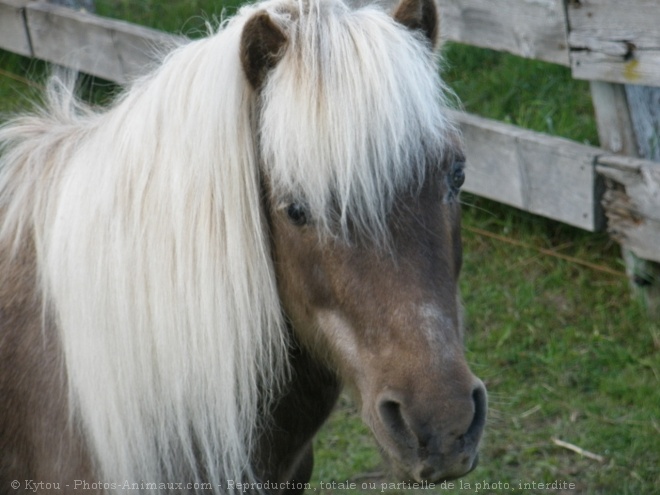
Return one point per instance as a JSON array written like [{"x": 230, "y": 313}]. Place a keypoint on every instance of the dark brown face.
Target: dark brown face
[{"x": 389, "y": 322}]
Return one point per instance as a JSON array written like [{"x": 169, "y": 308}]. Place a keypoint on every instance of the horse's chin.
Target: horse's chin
[{"x": 423, "y": 473}]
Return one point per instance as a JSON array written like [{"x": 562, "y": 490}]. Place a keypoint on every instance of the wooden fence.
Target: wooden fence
[{"x": 614, "y": 44}]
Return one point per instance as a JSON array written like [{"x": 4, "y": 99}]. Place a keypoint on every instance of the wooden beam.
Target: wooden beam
[
  {"x": 108, "y": 48},
  {"x": 633, "y": 207},
  {"x": 13, "y": 31},
  {"x": 644, "y": 103},
  {"x": 545, "y": 175},
  {"x": 615, "y": 127},
  {"x": 529, "y": 28},
  {"x": 116, "y": 50},
  {"x": 616, "y": 41},
  {"x": 628, "y": 118}
]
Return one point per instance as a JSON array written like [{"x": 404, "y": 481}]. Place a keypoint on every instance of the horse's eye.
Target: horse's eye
[
  {"x": 457, "y": 177},
  {"x": 297, "y": 214}
]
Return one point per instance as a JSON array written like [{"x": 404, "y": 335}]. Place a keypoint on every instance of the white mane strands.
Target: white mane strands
[
  {"x": 153, "y": 253},
  {"x": 351, "y": 115}
]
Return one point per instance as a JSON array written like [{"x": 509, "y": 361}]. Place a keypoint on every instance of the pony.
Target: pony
[{"x": 190, "y": 276}]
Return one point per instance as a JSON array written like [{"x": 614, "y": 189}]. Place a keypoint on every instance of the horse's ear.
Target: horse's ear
[
  {"x": 262, "y": 44},
  {"x": 420, "y": 15}
]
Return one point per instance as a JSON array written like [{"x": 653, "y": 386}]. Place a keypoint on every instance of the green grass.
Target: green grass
[
  {"x": 527, "y": 93},
  {"x": 16, "y": 73},
  {"x": 568, "y": 343},
  {"x": 563, "y": 349},
  {"x": 185, "y": 17}
]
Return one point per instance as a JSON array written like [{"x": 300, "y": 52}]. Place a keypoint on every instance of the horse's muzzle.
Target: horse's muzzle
[{"x": 431, "y": 445}]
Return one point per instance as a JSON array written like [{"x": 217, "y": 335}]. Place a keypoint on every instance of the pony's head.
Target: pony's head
[
  {"x": 362, "y": 171},
  {"x": 298, "y": 159}
]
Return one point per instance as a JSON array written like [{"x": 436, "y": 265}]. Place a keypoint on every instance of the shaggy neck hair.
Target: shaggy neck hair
[
  {"x": 150, "y": 238},
  {"x": 154, "y": 260}
]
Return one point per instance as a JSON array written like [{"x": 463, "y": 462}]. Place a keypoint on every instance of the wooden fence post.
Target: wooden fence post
[{"x": 628, "y": 119}]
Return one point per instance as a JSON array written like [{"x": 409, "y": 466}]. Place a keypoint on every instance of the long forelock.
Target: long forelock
[{"x": 351, "y": 116}]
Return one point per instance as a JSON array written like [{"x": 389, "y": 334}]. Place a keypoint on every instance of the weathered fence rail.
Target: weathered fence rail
[
  {"x": 532, "y": 29},
  {"x": 107, "y": 48},
  {"x": 605, "y": 41},
  {"x": 545, "y": 175}
]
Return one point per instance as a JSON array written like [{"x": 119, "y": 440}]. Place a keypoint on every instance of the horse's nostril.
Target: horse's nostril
[
  {"x": 480, "y": 401},
  {"x": 392, "y": 418}
]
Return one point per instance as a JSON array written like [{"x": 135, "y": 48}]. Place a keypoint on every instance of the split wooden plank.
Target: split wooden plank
[
  {"x": 530, "y": 28},
  {"x": 633, "y": 208},
  {"x": 642, "y": 68},
  {"x": 615, "y": 41},
  {"x": 614, "y": 122},
  {"x": 644, "y": 105},
  {"x": 108, "y": 48},
  {"x": 545, "y": 175},
  {"x": 628, "y": 118},
  {"x": 14, "y": 35}
]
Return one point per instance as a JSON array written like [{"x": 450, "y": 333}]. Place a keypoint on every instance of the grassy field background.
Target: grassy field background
[{"x": 565, "y": 352}]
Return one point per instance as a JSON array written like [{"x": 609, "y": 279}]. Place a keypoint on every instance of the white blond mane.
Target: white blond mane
[
  {"x": 147, "y": 219},
  {"x": 153, "y": 255}
]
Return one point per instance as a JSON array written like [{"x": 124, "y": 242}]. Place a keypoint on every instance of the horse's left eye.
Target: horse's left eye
[
  {"x": 457, "y": 175},
  {"x": 297, "y": 214}
]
